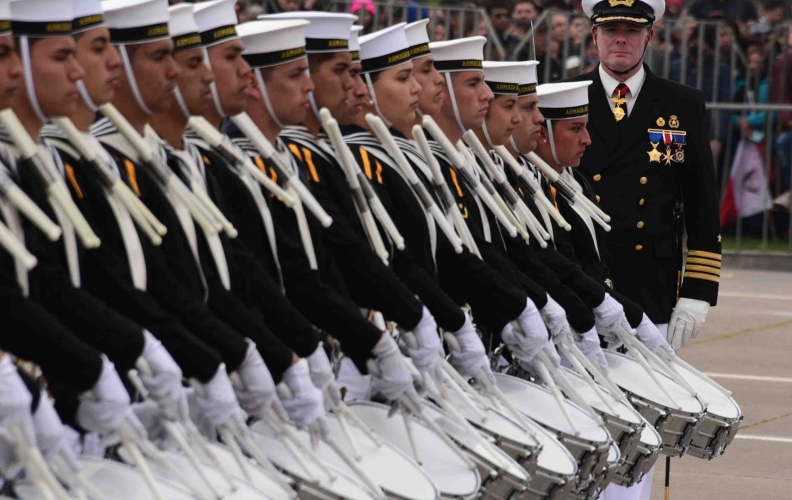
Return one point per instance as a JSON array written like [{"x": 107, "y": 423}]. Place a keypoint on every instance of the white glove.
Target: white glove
[
  {"x": 513, "y": 339},
  {"x": 471, "y": 357},
  {"x": 50, "y": 432},
  {"x": 391, "y": 373},
  {"x": 107, "y": 404},
  {"x": 589, "y": 345},
  {"x": 426, "y": 351},
  {"x": 218, "y": 403},
  {"x": 305, "y": 405},
  {"x": 555, "y": 318},
  {"x": 651, "y": 337},
  {"x": 609, "y": 316},
  {"x": 320, "y": 368},
  {"x": 165, "y": 384},
  {"x": 258, "y": 389},
  {"x": 686, "y": 322},
  {"x": 530, "y": 332},
  {"x": 15, "y": 401}
]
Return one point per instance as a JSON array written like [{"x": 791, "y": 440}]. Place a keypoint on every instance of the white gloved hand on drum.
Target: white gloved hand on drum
[
  {"x": 425, "y": 352},
  {"x": 15, "y": 401},
  {"x": 165, "y": 383},
  {"x": 390, "y": 371},
  {"x": 651, "y": 337},
  {"x": 258, "y": 388},
  {"x": 218, "y": 403},
  {"x": 589, "y": 344},
  {"x": 686, "y": 321},
  {"x": 471, "y": 357},
  {"x": 320, "y": 368},
  {"x": 609, "y": 317},
  {"x": 555, "y": 319},
  {"x": 529, "y": 331},
  {"x": 305, "y": 404},
  {"x": 103, "y": 408}
]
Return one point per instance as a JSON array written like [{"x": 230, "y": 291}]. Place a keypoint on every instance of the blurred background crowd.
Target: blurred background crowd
[{"x": 737, "y": 52}]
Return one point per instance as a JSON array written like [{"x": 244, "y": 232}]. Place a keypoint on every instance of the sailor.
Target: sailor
[
  {"x": 311, "y": 276},
  {"x": 649, "y": 140}
]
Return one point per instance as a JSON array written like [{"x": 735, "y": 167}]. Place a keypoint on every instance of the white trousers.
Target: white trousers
[{"x": 642, "y": 490}]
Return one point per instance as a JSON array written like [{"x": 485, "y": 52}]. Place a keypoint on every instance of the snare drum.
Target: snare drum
[
  {"x": 115, "y": 480},
  {"x": 589, "y": 446},
  {"x": 451, "y": 475},
  {"x": 721, "y": 421},
  {"x": 313, "y": 484},
  {"x": 501, "y": 476},
  {"x": 634, "y": 468},
  {"x": 552, "y": 468},
  {"x": 677, "y": 426}
]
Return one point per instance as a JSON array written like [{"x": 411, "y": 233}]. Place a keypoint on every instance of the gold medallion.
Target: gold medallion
[
  {"x": 654, "y": 154},
  {"x": 626, "y": 3},
  {"x": 673, "y": 122},
  {"x": 618, "y": 113},
  {"x": 660, "y": 122}
]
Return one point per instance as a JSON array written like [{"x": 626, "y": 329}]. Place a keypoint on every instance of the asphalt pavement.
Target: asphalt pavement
[{"x": 746, "y": 346}]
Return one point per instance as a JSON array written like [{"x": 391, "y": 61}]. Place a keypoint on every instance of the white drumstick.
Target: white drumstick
[
  {"x": 568, "y": 388},
  {"x": 585, "y": 375},
  {"x": 75, "y": 479},
  {"x": 386, "y": 139},
  {"x": 127, "y": 438},
  {"x": 545, "y": 374},
  {"x": 143, "y": 223},
  {"x": 36, "y": 466},
  {"x": 687, "y": 366},
  {"x": 226, "y": 148},
  {"x": 268, "y": 152},
  {"x": 250, "y": 446},
  {"x": 239, "y": 457},
  {"x": 599, "y": 374},
  {"x": 664, "y": 366},
  {"x": 372, "y": 485},
  {"x": 538, "y": 196},
  {"x": 207, "y": 202},
  {"x": 28, "y": 208},
  {"x": 16, "y": 248},
  {"x": 57, "y": 195},
  {"x": 628, "y": 341}
]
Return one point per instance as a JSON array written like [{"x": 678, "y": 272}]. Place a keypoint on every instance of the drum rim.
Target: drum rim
[
  {"x": 566, "y": 401},
  {"x": 603, "y": 412},
  {"x": 711, "y": 383}
]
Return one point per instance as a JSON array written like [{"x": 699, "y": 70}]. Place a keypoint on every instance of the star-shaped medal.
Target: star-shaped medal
[{"x": 654, "y": 155}]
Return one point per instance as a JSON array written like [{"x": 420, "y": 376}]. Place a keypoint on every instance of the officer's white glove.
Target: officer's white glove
[
  {"x": 426, "y": 351},
  {"x": 686, "y": 322},
  {"x": 258, "y": 389},
  {"x": 391, "y": 373},
  {"x": 530, "y": 332},
  {"x": 651, "y": 337},
  {"x": 589, "y": 344},
  {"x": 165, "y": 384},
  {"x": 471, "y": 357},
  {"x": 305, "y": 405},
  {"x": 555, "y": 319},
  {"x": 107, "y": 404},
  {"x": 15, "y": 401},
  {"x": 218, "y": 402},
  {"x": 608, "y": 317}
]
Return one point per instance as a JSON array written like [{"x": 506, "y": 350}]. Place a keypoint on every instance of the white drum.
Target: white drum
[
  {"x": 451, "y": 475},
  {"x": 115, "y": 480},
  {"x": 313, "y": 484},
  {"x": 676, "y": 425},
  {"x": 588, "y": 443},
  {"x": 721, "y": 421},
  {"x": 502, "y": 477},
  {"x": 552, "y": 468}
]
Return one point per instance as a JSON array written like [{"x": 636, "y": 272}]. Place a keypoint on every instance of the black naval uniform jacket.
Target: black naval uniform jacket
[
  {"x": 373, "y": 285},
  {"x": 256, "y": 274},
  {"x": 641, "y": 168},
  {"x": 106, "y": 273},
  {"x": 464, "y": 278},
  {"x": 321, "y": 294}
]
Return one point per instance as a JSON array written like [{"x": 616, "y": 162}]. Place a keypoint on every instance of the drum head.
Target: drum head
[
  {"x": 622, "y": 411},
  {"x": 554, "y": 456},
  {"x": 540, "y": 405},
  {"x": 258, "y": 478},
  {"x": 276, "y": 451},
  {"x": 115, "y": 480},
  {"x": 243, "y": 491},
  {"x": 630, "y": 375},
  {"x": 717, "y": 402},
  {"x": 451, "y": 475},
  {"x": 492, "y": 455}
]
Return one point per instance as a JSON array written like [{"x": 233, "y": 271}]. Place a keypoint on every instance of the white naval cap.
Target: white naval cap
[
  {"x": 183, "y": 29},
  {"x": 136, "y": 21},
  {"x": 528, "y": 78},
  {"x": 564, "y": 101},
  {"x": 641, "y": 12},
  {"x": 503, "y": 78},
  {"x": 5, "y": 17},
  {"x": 87, "y": 15},
  {"x": 42, "y": 18},
  {"x": 418, "y": 38},
  {"x": 270, "y": 43},
  {"x": 354, "y": 43},
  {"x": 384, "y": 49},
  {"x": 328, "y": 31},
  {"x": 464, "y": 54},
  {"x": 216, "y": 21}
]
